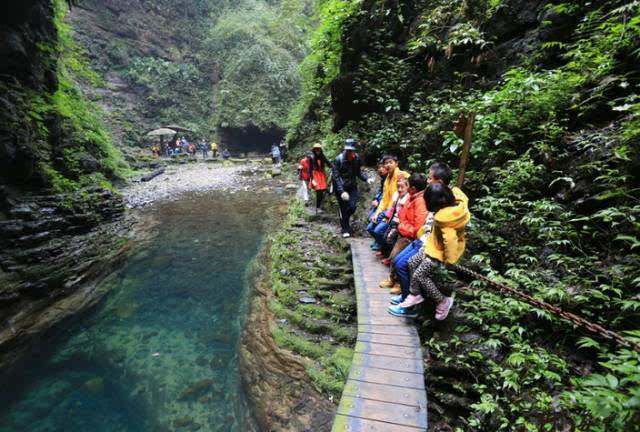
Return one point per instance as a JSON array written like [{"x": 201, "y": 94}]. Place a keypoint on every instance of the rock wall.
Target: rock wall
[
  {"x": 171, "y": 87},
  {"x": 53, "y": 246},
  {"x": 276, "y": 381},
  {"x": 54, "y": 250}
]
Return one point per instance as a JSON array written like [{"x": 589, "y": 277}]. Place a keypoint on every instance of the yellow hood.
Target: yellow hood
[{"x": 455, "y": 216}]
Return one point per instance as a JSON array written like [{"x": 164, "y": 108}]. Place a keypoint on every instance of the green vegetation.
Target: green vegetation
[
  {"x": 310, "y": 261},
  {"x": 553, "y": 183},
  {"x": 77, "y": 151},
  {"x": 258, "y": 47}
]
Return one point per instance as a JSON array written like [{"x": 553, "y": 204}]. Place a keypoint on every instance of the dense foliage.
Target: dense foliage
[
  {"x": 69, "y": 145},
  {"x": 257, "y": 47},
  {"x": 553, "y": 180}
]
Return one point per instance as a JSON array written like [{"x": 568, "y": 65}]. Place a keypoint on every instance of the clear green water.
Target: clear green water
[{"x": 160, "y": 351}]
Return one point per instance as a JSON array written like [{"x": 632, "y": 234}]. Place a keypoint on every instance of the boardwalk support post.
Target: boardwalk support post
[{"x": 463, "y": 128}]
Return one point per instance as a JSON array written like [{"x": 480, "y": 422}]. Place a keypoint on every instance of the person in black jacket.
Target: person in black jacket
[{"x": 345, "y": 170}]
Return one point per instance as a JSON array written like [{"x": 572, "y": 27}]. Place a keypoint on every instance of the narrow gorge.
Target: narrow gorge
[{"x": 153, "y": 284}]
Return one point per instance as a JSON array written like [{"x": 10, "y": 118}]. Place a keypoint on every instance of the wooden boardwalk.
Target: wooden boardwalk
[{"x": 385, "y": 389}]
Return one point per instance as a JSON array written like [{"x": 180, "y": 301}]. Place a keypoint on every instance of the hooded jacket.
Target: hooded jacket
[
  {"x": 446, "y": 242},
  {"x": 413, "y": 216}
]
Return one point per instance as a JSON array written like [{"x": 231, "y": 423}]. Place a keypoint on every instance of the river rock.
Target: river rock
[{"x": 307, "y": 300}]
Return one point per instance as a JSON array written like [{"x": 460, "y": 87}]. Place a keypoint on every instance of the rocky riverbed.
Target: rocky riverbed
[{"x": 198, "y": 177}]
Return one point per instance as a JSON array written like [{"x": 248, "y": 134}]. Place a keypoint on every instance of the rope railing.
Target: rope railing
[{"x": 567, "y": 316}]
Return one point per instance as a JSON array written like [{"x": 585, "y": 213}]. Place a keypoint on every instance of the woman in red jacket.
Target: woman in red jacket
[
  {"x": 413, "y": 215},
  {"x": 317, "y": 175}
]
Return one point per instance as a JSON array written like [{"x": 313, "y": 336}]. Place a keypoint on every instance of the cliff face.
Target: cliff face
[
  {"x": 552, "y": 179},
  {"x": 149, "y": 55},
  {"x": 58, "y": 227}
]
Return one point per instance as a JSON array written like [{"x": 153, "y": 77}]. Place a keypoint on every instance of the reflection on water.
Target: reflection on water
[{"x": 160, "y": 353}]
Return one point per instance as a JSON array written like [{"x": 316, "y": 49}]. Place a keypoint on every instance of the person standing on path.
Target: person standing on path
[
  {"x": 275, "y": 154},
  {"x": 317, "y": 175},
  {"x": 346, "y": 168},
  {"x": 304, "y": 175},
  {"x": 205, "y": 149},
  {"x": 214, "y": 150}
]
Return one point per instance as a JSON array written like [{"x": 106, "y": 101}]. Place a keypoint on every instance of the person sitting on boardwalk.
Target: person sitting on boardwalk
[
  {"x": 412, "y": 216},
  {"x": 438, "y": 173},
  {"x": 345, "y": 170},
  {"x": 378, "y": 224},
  {"x": 304, "y": 175},
  {"x": 445, "y": 244},
  {"x": 382, "y": 172},
  {"x": 226, "y": 154},
  {"x": 393, "y": 217},
  {"x": 317, "y": 175}
]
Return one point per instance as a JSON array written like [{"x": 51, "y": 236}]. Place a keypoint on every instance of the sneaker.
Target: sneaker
[
  {"x": 379, "y": 254},
  {"x": 396, "y": 299},
  {"x": 376, "y": 247},
  {"x": 386, "y": 261},
  {"x": 412, "y": 300},
  {"x": 395, "y": 289},
  {"x": 346, "y": 235},
  {"x": 442, "y": 309},
  {"x": 387, "y": 283},
  {"x": 374, "y": 244},
  {"x": 399, "y": 311}
]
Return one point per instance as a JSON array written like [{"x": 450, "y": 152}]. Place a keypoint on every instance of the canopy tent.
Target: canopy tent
[
  {"x": 162, "y": 132},
  {"x": 180, "y": 128}
]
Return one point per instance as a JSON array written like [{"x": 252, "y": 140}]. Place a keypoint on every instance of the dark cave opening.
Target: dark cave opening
[{"x": 250, "y": 140}]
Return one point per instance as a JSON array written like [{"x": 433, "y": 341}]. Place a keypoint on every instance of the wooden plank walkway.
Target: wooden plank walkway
[{"x": 385, "y": 389}]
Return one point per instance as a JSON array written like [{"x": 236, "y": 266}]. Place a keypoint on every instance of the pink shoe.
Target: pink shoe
[
  {"x": 411, "y": 300},
  {"x": 442, "y": 309},
  {"x": 386, "y": 261}
]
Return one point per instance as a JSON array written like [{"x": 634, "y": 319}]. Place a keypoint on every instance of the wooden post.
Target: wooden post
[{"x": 468, "y": 120}]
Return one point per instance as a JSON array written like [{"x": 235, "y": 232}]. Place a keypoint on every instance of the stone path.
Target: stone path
[{"x": 385, "y": 389}]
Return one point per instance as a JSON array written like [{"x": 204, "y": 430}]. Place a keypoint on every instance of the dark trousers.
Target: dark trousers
[
  {"x": 347, "y": 209},
  {"x": 319, "y": 197}
]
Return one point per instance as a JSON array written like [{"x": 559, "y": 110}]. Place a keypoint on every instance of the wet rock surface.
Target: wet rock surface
[
  {"x": 197, "y": 176},
  {"x": 284, "y": 399},
  {"x": 54, "y": 248}
]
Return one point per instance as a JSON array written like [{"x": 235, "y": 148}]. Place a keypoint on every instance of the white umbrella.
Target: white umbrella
[{"x": 161, "y": 132}]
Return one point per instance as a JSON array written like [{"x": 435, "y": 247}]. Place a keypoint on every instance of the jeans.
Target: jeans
[
  {"x": 401, "y": 265},
  {"x": 371, "y": 227},
  {"x": 347, "y": 208}
]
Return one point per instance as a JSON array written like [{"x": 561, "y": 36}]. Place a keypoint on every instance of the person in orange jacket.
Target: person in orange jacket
[{"x": 318, "y": 182}]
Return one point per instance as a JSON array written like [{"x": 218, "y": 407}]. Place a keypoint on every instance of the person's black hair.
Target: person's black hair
[
  {"x": 418, "y": 181},
  {"x": 386, "y": 157},
  {"x": 438, "y": 196},
  {"x": 442, "y": 172}
]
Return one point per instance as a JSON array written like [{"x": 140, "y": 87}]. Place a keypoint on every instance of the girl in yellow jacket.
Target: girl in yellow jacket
[{"x": 445, "y": 244}]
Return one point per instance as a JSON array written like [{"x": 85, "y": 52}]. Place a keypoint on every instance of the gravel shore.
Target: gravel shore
[{"x": 193, "y": 177}]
